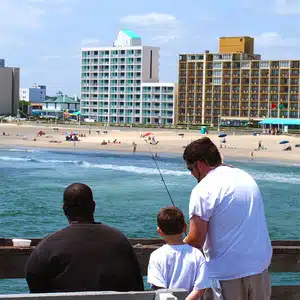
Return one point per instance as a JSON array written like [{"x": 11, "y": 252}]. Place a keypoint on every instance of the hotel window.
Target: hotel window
[
  {"x": 264, "y": 64},
  {"x": 85, "y": 53},
  {"x": 217, "y": 73},
  {"x": 227, "y": 56},
  {"x": 217, "y": 81},
  {"x": 191, "y": 57},
  {"x": 217, "y": 65},
  {"x": 217, "y": 57},
  {"x": 130, "y": 52},
  {"x": 199, "y": 57},
  {"x": 245, "y": 65},
  {"x": 284, "y": 64}
]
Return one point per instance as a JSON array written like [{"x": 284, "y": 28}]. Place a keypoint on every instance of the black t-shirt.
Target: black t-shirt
[{"x": 84, "y": 257}]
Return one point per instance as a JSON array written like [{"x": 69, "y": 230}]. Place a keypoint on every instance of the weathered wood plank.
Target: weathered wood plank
[
  {"x": 35, "y": 241},
  {"x": 12, "y": 259},
  {"x": 286, "y": 258},
  {"x": 149, "y": 295},
  {"x": 290, "y": 292}
]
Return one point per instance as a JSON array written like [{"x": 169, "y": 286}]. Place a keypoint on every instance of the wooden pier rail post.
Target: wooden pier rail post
[{"x": 286, "y": 258}]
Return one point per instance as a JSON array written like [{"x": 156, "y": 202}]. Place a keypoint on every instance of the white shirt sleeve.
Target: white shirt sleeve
[
  {"x": 202, "y": 281},
  {"x": 155, "y": 274},
  {"x": 202, "y": 203}
]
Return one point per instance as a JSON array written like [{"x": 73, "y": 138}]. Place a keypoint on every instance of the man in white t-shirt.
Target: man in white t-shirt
[
  {"x": 227, "y": 221},
  {"x": 177, "y": 265}
]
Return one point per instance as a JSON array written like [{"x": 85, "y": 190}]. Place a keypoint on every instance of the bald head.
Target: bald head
[{"x": 78, "y": 202}]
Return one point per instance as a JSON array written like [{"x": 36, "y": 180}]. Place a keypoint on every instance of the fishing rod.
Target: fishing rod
[{"x": 161, "y": 176}]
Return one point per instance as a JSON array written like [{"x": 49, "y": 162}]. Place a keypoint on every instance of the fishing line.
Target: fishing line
[{"x": 161, "y": 176}]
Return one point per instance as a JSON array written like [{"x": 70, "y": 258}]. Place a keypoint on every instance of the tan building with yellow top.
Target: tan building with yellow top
[{"x": 235, "y": 85}]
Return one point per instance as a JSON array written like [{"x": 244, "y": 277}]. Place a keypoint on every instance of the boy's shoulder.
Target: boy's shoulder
[{"x": 168, "y": 250}]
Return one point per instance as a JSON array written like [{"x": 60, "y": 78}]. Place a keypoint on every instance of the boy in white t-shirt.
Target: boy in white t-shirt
[{"x": 176, "y": 264}]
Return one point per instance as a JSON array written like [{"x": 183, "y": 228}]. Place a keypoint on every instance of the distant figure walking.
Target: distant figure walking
[
  {"x": 134, "y": 145},
  {"x": 259, "y": 146},
  {"x": 85, "y": 256}
]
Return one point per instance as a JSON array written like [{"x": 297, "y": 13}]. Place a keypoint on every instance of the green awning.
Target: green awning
[{"x": 75, "y": 113}]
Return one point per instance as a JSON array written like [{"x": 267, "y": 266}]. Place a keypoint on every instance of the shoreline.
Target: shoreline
[
  {"x": 237, "y": 159},
  {"x": 239, "y": 147}
]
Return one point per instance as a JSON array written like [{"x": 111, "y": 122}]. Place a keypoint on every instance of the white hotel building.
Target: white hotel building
[{"x": 120, "y": 84}]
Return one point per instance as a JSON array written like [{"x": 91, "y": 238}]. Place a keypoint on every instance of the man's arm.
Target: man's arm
[
  {"x": 197, "y": 233},
  {"x": 35, "y": 274},
  {"x": 136, "y": 279},
  {"x": 154, "y": 287},
  {"x": 195, "y": 295}
]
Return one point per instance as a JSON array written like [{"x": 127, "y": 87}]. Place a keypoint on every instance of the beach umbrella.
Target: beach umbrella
[
  {"x": 222, "y": 135},
  {"x": 147, "y": 134},
  {"x": 284, "y": 142}
]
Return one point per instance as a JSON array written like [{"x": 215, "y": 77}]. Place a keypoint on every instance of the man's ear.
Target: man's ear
[
  {"x": 65, "y": 210},
  {"x": 185, "y": 228},
  {"x": 160, "y": 231}
]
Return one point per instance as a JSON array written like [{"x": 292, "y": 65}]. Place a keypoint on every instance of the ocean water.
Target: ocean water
[{"x": 128, "y": 192}]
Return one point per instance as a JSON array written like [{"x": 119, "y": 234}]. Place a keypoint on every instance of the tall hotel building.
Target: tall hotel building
[
  {"x": 234, "y": 86},
  {"x": 120, "y": 84}
]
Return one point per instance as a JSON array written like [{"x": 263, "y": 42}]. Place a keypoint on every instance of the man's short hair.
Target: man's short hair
[
  {"x": 171, "y": 220},
  {"x": 78, "y": 200},
  {"x": 202, "y": 150}
]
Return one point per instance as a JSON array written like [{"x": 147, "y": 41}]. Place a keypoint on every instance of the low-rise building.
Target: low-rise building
[
  {"x": 35, "y": 94},
  {"x": 57, "y": 106},
  {"x": 9, "y": 89}
]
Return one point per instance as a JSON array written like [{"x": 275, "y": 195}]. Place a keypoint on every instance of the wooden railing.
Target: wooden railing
[
  {"x": 173, "y": 294},
  {"x": 286, "y": 258}
]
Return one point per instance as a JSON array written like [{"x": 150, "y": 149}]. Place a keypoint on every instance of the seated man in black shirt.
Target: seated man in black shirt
[{"x": 85, "y": 256}]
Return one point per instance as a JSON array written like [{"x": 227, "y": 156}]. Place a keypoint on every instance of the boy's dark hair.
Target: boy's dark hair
[
  {"x": 202, "y": 150},
  {"x": 170, "y": 220}
]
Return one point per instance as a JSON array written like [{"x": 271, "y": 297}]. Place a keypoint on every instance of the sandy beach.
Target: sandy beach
[{"x": 170, "y": 141}]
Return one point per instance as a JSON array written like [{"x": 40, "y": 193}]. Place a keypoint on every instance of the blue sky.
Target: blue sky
[{"x": 44, "y": 37}]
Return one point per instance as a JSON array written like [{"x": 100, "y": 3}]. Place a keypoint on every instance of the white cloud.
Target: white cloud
[
  {"x": 12, "y": 41},
  {"x": 35, "y": 1},
  {"x": 90, "y": 42},
  {"x": 164, "y": 39},
  {"x": 76, "y": 56},
  {"x": 49, "y": 57},
  {"x": 287, "y": 7},
  {"x": 151, "y": 19},
  {"x": 208, "y": 18},
  {"x": 163, "y": 27},
  {"x": 14, "y": 15},
  {"x": 274, "y": 39}
]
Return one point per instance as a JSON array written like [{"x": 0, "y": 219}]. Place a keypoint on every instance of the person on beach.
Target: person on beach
[
  {"x": 134, "y": 145},
  {"x": 227, "y": 221},
  {"x": 85, "y": 256},
  {"x": 176, "y": 264}
]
